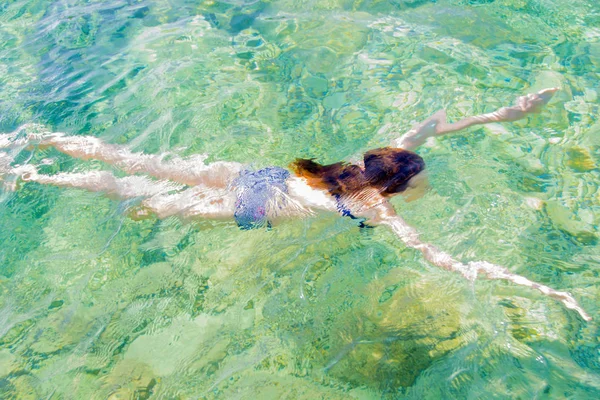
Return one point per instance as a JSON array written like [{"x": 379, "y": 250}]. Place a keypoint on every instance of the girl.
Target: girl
[{"x": 190, "y": 188}]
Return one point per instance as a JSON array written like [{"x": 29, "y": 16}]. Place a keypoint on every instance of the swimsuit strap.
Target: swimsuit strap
[
  {"x": 345, "y": 212},
  {"x": 342, "y": 208}
]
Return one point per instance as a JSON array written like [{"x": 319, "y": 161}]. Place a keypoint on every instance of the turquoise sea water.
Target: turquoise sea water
[{"x": 94, "y": 305}]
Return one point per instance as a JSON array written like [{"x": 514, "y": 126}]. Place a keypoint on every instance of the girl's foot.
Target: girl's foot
[{"x": 5, "y": 160}]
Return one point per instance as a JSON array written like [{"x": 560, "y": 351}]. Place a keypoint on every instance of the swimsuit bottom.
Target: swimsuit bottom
[{"x": 255, "y": 190}]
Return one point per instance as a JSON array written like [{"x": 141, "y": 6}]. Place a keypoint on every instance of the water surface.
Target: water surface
[{"x": 95, "y": 305}]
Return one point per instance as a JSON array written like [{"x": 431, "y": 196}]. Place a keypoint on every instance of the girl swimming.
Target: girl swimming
[{"x": 189, "y": 188}]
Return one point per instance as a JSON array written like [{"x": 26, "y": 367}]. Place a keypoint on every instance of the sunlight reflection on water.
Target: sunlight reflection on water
[{"x": 95, "y": 305}]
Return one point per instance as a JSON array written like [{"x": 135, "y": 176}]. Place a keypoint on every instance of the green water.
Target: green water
[{"x": 94, "y": 305}]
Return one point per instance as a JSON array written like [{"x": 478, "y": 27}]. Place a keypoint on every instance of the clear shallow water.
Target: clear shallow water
[{"x": 94, "y": 305}]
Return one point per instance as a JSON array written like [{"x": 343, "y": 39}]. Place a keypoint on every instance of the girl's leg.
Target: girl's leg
[
  {"x": 190, "y": 171},
  {"x": 436, "y": 125},
  {"x": 196, "y": 202},
  {"x": 98, "y": 181}
]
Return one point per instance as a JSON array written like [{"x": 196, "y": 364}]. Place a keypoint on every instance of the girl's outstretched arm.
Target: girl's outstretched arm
[
  {"x": 386, "y": 215},
  {"x": 437, "y": 124}
]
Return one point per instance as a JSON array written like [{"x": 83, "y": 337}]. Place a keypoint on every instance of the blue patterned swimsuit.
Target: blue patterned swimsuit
[{"x": 254, "y": 190}]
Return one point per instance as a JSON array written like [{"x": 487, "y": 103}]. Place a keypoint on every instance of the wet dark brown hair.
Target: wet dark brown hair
[{"x": 387, "y": 170}]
